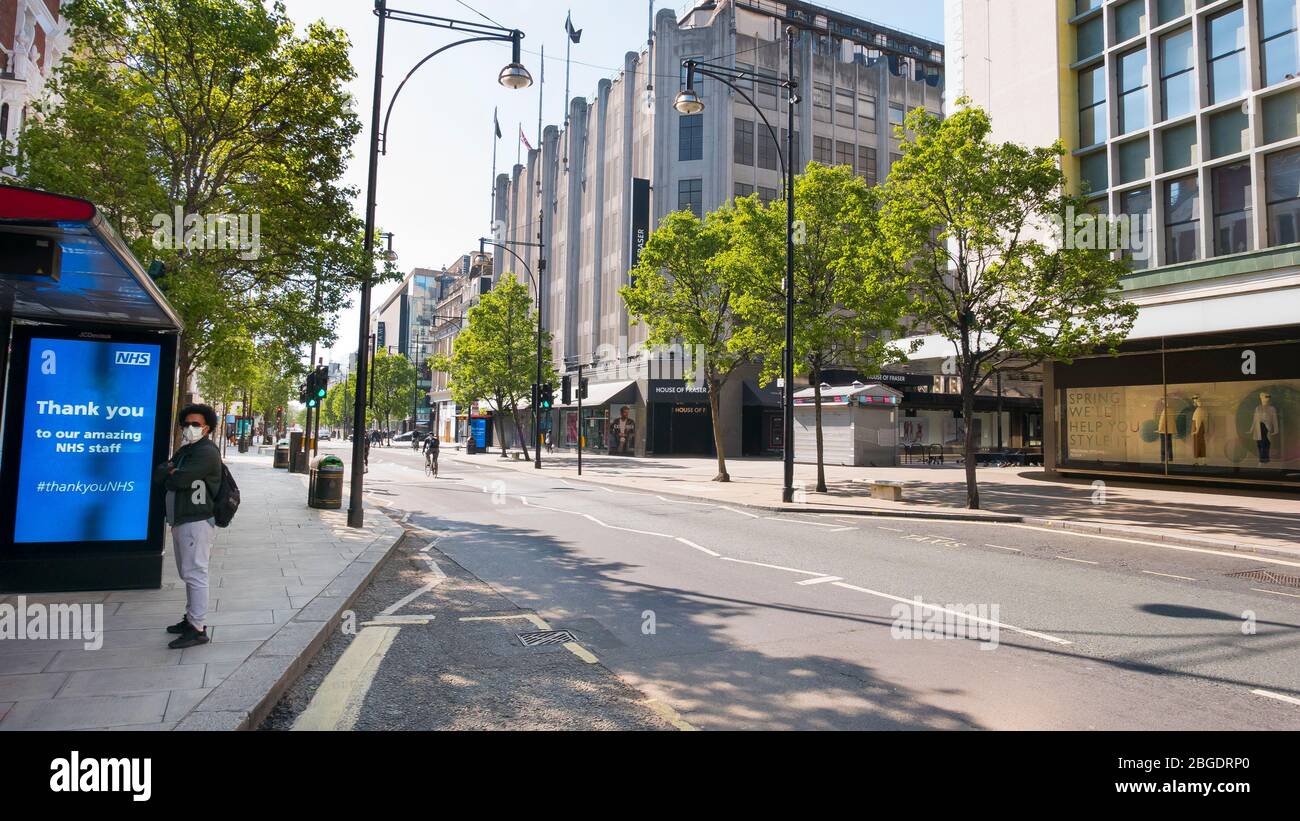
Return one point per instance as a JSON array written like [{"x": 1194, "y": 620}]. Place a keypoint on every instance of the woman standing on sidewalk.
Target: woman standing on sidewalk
[{"x": 192, "y": 479}]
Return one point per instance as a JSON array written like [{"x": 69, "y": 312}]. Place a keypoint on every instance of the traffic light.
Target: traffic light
[
  {"x": 302, "y": 393},
  {"x": 548, "y": 396},
  {"x": 322, "y": 382},
  {"x": 566, "y": 389},
  {"x": 317, "y": 384},
  {"x": 582, "y": 388}
]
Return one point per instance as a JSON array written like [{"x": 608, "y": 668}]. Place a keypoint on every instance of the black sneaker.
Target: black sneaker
[
  {"x": 180, "y": 626},
  {"x": 190, "y": 638}
]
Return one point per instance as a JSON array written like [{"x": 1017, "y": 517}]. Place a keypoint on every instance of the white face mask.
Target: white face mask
[{"x": 190, "y": 435}]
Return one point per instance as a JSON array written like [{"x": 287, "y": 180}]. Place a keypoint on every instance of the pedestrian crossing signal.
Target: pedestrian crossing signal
[{"x": 548, "y": 396}]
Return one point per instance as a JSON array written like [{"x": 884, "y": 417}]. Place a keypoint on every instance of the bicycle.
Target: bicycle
[{"x": 430, "y": 465}]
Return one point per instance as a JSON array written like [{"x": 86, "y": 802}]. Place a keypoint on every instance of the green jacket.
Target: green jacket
[{"x": 200, "y": 461}]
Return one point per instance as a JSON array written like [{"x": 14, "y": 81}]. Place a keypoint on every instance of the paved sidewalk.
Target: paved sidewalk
[
  {"x": 1224, "y": 519},
  {"x": 280, "y": 576}
]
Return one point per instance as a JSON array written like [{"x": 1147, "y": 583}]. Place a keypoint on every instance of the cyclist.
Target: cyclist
[{"x": 431, "y": 452}]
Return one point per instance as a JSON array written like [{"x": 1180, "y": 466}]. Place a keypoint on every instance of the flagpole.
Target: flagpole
[
  {"x": 519, "y": 145},
  {"x": 568, "y": 51},
  {"x": 496, "y": 135},
  {"x": 541, "y": 93}
]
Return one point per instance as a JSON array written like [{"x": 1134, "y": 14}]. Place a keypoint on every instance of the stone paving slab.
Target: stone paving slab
[{"x": 280, "y": 577}]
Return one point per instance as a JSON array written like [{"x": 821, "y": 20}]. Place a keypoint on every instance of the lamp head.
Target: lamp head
[{"x": 688, "y": 101}]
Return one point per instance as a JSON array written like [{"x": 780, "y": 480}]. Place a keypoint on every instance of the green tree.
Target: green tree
[
  {"x": 395, "y": 388},
  {"x": 211, "y": 107},
  {"x": 964, "y": 226},
  {"x": 845, "y": 311},
  {"x": 686, "y": 290},
  {"x": 494, "y": 356}
]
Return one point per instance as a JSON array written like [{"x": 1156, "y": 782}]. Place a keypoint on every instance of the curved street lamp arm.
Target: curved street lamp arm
[
  {"x": 383, "y": 135},
  {"x": 511, "y": 252},
  {"x": 775, "y": 138}
]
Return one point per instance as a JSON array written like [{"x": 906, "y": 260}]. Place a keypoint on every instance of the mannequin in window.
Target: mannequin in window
[
  {"x": 1200, "y": 417},
  {"x": 1264, "y": 426},
  {"x": 1165, "y": 430}
]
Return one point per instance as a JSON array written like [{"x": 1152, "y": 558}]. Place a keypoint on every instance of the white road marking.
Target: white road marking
[
  {"x": 684, "y": 502},
  {"x": 397, "y": 621},
  {"x": 1278, "y": 696},
  {"x": 912, "y": 602},
  {"x": 627, "y": 529},
  {"x": 841, "y": 529},
  {"x": 700, "y": 548},
  {"x": 337, "y": 702},
  {"x": 895, "y": 529},
  {"x": 1000, "y": 547},
  {"x": 439, "y": 578},
  {"x": 822, "y": 580},
  {"x": 1169, "y": 575},
  {"x": 741, "y": 512},
  {"x": 1080, "y": 561},
  {"x": 801, "y": 522},
  {"x": 1275, "y": 593},
  {"x": 1238, "y": 555},
  {"x": 774, "y": 567}
]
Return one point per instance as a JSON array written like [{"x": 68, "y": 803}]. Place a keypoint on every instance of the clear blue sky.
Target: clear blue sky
[{"x": 435, "y": 182}]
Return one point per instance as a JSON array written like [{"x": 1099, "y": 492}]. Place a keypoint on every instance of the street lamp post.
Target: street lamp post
[
  {"x": 481, "y": 257},
  {"x": 689, "y": 102},
  {"x": 513, "y": 76}
]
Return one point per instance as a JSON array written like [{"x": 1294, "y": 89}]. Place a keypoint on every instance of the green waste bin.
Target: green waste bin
[
  {"x": 325, "y": 483},
  {"x": 281, "y": 455}
]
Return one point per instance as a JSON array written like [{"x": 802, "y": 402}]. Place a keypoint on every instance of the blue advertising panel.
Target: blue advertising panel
[
  {"x": 478, "y": 429},
  {"x": 87, "y": 441}
]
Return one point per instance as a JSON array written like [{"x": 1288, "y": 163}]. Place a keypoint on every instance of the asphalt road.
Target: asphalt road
[{"x": 730, "y": 618}]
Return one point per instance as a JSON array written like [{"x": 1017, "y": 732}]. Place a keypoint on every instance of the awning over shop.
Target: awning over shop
[
  {"x": 95, "y": 278},
  {"x": 769, "y": 397},
  {"x": 605, "y": 393}
]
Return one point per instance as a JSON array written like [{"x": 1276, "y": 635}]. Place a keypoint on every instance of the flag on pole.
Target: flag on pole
[
  {"x": 574, "y": 34},
  {"x": 496, "y": 123},
  {"x": 523, "y": 139}
]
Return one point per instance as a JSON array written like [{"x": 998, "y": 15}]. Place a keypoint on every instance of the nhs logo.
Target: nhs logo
[{"x": 132, "y": 358}]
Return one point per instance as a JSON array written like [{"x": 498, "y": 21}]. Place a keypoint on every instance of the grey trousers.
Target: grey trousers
[{"x": 192, "y": 543}]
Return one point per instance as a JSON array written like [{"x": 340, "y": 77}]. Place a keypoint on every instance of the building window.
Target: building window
[
  {"x": 867, "y": 113},
  {"x": 894, "y": 158},
  {"x": 823, "y": 152},
  {"x": 1227, "y": 44},
  {"x": 690, "y": 196},
  {"x": 1177, "y": 75},
  {"x": 766, "y": 195},
  {"x": 1092, "y": 106},
  {"x": 743, "y": 190},
  {"x": 1136, "y": 206},
  {"x": 1093, "y": 172},
  {"x": 1133, "y": 82},
  {"x": 1277, "y": 35},
  {"x": 867, "y": 164},
  {"x": 744, "y": 142},
  {"x": 845, "y": 153},
  {"x": 844, "y": 107},
  {"x": 1090, "y": 38},
  {"x": 1182, "y": 220},
  {"x": 769, "y": 155},
  {"x": 1281, "y": 114},
  {"x": 690, "y": 137},
  {"x": 4, "y": 122},
  {"x": 1167, "y": 10},
  {"x": 1282, "y": 189},
  {"x": 821, "y": 102},
  {"x": 1232, "y": 207},
  {"x": 1130, "y": 20},
  {"x": 896, "y": 115}
]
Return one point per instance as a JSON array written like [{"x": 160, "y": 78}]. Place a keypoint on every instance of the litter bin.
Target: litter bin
[
  {"x": 325, "y": 483},
  {"x": 297, "y": 456},
  {"x": 471, "y": 446},
  {"x": 281, "y": 455}
]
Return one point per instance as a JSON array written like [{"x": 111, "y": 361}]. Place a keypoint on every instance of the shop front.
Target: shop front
[
  {"x": 1222, "y": 408},
  {"x": 609, "y": 421},
  {"x": 681, "y": 422}
]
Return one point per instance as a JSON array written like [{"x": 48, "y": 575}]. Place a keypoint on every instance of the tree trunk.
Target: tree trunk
[
  {"x": 519, "y": 430},
  {"x": 501, "y": 427},
  {"x": 715, "y": 399},
  {"x": 821, "y": 446},
  {"x": 968, "y": 414},
  {"x": 184, "y": 365}
]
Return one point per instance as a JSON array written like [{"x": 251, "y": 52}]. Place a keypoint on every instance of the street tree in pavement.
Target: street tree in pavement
[
  {"x": 685, "y": 290},
  {"x": 494, "y": 357},
  {"x": 395, "y": 387},
  {"x": 211, "y": 107},
  {"x": 845, "y": 311},
  {"x": 965, "y": 225}
]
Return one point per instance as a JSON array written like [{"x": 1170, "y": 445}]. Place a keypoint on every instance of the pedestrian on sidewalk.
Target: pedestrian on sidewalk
[{"x": 192, "y": 479}]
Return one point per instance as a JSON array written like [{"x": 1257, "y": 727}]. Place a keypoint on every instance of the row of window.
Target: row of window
[
  {"x": 1226, "y": 65},
  {"x": 1232, "y": 209}
]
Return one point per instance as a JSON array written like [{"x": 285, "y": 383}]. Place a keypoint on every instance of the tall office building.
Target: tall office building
[
  {"x": 1182, "y": 116},
  {"x": 627, "y": 158}
]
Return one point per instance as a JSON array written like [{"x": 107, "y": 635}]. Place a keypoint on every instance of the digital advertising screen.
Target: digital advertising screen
[{"x": 87, "y": 414}]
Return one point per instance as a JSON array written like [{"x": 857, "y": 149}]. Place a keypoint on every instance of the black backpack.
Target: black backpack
[{"x": 227, "y": 501}]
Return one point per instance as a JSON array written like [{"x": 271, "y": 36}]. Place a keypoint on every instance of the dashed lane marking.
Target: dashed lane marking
[
  {"x": 1080, "y": 561},
  {"x": 1226, "y": 554},
  {"x": 1275, "y": 593},
  {"x": 1002, "y": 547},
  {"x": 774, "y": 567},
  {"x": 700, "y": 548},
  {"x": 805, "y": 522},
  {"x": 740, "y": 512},
  {"x": 1169, "y": 575},
  {"x": 1278, "y": 696},
  {"x": 822, "y": 580},
  {"x": 914, "y": 603}
]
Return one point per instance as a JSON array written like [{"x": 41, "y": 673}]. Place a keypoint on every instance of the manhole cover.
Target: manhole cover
[
  {"x": 537, "y": 638},
  {"x": 1269, "y": 577}
]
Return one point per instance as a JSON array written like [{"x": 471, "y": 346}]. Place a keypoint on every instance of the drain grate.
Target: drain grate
[
  {"x": 538, "y": 638},
  {"x": 1269, "y": 577}
]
